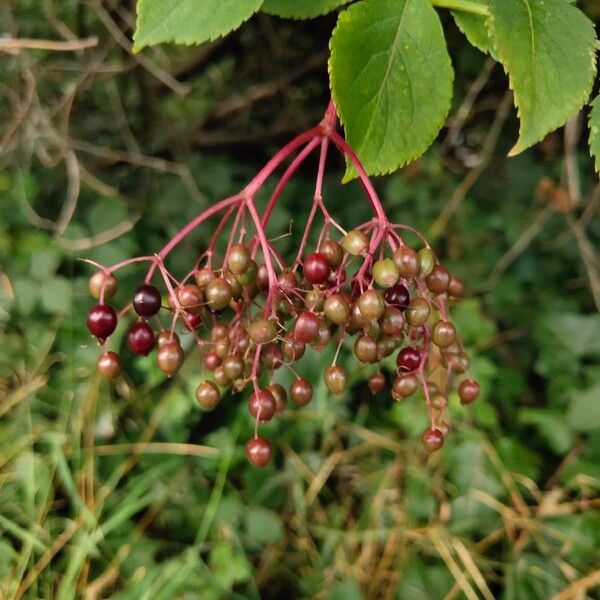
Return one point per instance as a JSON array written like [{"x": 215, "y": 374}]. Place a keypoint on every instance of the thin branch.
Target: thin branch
[{"x": 18, "y": 44}]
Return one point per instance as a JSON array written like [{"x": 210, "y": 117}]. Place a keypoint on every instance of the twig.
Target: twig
[
  {"x": 17, "y": 44},
  {"x": 100, "y": 238}
]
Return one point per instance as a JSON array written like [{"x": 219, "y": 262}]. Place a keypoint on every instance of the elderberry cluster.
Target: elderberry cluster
[
  {"x": 316, "y": 306},
  {"x": 250, "y": 314}
]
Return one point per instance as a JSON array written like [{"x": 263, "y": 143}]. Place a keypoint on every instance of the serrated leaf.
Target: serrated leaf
[
  {"x": 474, "y": 27},
  {"x": 391, "y": 79},
  {"x": 300, "y": 9},
  {"x": 189, "y": 21},
  {"x": 595, "y": 131},
  {"x": 547, "y": 47}
]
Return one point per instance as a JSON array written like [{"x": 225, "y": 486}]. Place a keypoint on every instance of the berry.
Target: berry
[
  {"x": 406, "y": 261},
  {"x": 102, "y": 321},
  {"x": 376, "y": 382},
  {"x": 192, "y": 322},
  {"x": 208, "y": 395},
  {"x": 301, "y": 392},
  {"x": 365, "y": 349},
  {"x": 371, "y": 305},
  {"x": 337, "y": 309},
  {"x": 102, "y": 279},
  {"x": 239, "y": 259},
  {"x": 204, "y": 276},
  {"x": 404, "y": 386},
  {"x": 218, "y": 294},
  {"x": 323, "y": 336},
  {"x": 438, "y": 280},
  {"x": 468, "y": 391},
  {"x": 306, "y": 327},
  {"x": 262, "y": 331},
  {"x": 426, "y": 261},
  {"x": 398, "y": 296},
  {"x": 392, "y": 322},
  {"x": 314, "y": 300},
  {"x": 190, "y": 298},
  {"x": 333, "y": 252},
  {"x": 417, "y": 312},
  {"x": 336, "y": 379},
  {"x": 248, "y": 277},
  {"x": 292, "y": 349},
  {"x": 146, "y": 300},
  {"x": 212, "y": 361},
  {"x": 140, "y": 338},
  {"x": 456, "y": 287},
  {"x": 444, "y": 334},
  {"x": 355, "y": 242},
  {"x": 432, "y": 439},
  {"x": 316, "y": 268},
  {"x": 385, "y": 273},
  {"x": 279, "y": 394},
  {"x": 109, "y": 365},
  {"x": 169, "y": 358},
  {"x": 408, "y": 359},
  {"x": 262, "y": 405},
  {"x": 220, "y": 376},
  {"x": 166, "y": 337},
  {"x": 233, "y": 365},
  {"x": 258, "y": 452}
]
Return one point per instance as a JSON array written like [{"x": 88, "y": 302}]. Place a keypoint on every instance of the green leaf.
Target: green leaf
[
  {"x": 584, "y": 410},
  {"x": 189, "y": 21},
  {"x": 300, "y": 9},
  {"x": 547, "y": 47},
  {"x": 595, "y": 131},
  {"x": 551, "y": 425},
  {"x": 391, "y": 79},
  {"x": 474, "y": 27}
]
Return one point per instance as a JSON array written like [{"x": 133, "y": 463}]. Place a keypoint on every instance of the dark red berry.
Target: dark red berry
[
  {"x": 146, "y": 300},
  {"x": 408, "y": 359},
  {"x": 306, "y": 327},
  {"x": 432, "y": 439},
  {"x": 140, "y": 338},
  {"x": 468, "y": 391},
  {"x": 398, "y": 296},
  {"x": 102, "y": 321},
  {"x": 316, "y": 268},
  {"x": 262, "y": 405},
  {"x": 301, "y": 392},
  {"x": 258, "y": 452}
]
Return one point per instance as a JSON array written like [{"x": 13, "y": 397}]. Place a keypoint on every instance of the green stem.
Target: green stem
[{"x": 465, "y": 5}]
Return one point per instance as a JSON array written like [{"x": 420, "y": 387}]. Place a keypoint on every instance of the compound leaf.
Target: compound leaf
[
  {"x": 189, "y": 21},
  {"x": 301, "y": 9},
  {"x": 391, "y": 80},
  {"x": 474, "y": 27},
  {"x": 547, "y": 48}
]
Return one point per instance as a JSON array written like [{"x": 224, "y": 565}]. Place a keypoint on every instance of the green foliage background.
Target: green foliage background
[{"x": 102, "y": 494}]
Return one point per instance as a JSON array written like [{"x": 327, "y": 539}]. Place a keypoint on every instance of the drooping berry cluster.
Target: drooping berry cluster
[{"x": 250, "y": 313}]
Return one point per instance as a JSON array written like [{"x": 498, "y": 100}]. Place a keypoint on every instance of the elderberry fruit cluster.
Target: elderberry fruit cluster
[
  {"x": 397, "y": 305},
  {"x": 250, "y": 313}
]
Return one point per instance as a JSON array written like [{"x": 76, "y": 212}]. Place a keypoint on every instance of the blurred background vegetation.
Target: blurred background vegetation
[{"x": 129, "y": 491}]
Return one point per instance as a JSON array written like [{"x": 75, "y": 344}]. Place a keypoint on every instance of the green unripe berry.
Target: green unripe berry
[{"x": 385, "y": 273}]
